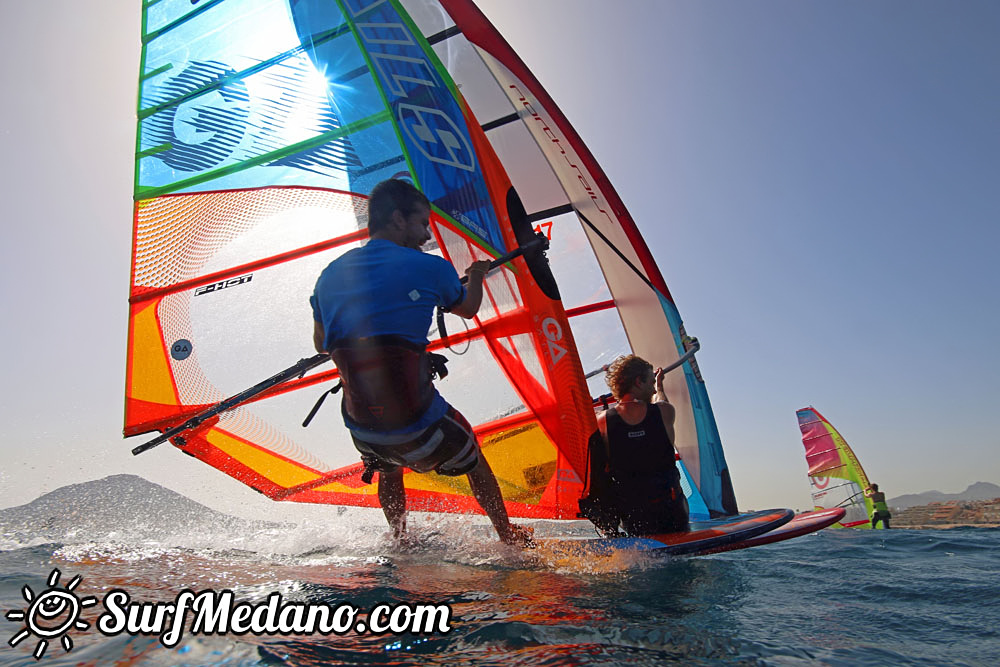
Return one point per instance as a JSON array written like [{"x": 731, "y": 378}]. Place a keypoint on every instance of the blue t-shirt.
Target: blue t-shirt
[{"x": 383, "y": 289}]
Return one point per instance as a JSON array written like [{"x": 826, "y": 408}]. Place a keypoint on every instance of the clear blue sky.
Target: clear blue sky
[{"x": 819, "y": 182}]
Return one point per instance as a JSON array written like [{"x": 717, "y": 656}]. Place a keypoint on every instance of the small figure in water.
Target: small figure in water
[
  {"x": 881, "y": 512},
  {"x": 372, "y": 309},
  {"x": 633, "y": 470}
]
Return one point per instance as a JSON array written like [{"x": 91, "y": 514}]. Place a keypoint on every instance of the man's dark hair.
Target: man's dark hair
[{"x": 392, "y": 195}]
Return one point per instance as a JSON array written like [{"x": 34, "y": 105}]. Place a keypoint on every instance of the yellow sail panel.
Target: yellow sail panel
[
  {"x": 281, "y": 471},
  {"x": 150, "y": 379},
  {"x": 523, "y": 460}
]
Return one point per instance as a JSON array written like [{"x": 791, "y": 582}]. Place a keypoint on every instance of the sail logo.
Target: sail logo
[
  {"x": 428, "y": 113},
  {"x": 568, "y": 475},
  {"x": 204, "y": 128},
  {"x": 557, "y": 143},
  {"x": 181, "y": 349},
  {"x": 820, "y": 482},
  {"x": 223, "y": 284},
  {"x": 553, "y": 333},
  {"x": 436, "y": 136}
]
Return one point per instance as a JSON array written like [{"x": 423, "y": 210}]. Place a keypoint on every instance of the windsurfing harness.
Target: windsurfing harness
[
  {"x": 387, "y": 381},
  {"x": 388, "y": 386},
  {"x": 635, "y": 479}
]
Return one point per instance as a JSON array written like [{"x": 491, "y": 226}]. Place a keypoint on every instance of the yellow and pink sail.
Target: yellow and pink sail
[
  {"x": 836, "y": 478},
  {"x": 262, "y": 127}
]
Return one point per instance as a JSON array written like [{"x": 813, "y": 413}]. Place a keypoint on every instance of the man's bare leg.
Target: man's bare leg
[
  {"x": 487, "y": 492},
  {"x": 392, "y": 497}
]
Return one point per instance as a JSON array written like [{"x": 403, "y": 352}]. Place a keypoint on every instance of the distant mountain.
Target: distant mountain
[
  {"x": 116, "y": 508},
  {"x": 977, "y": 491}
]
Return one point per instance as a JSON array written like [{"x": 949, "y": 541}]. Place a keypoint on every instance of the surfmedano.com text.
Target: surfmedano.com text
[{"x": 219, "y": 613}]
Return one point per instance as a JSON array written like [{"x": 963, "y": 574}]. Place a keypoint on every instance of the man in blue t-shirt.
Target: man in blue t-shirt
[{"x": 372, "y": 309}]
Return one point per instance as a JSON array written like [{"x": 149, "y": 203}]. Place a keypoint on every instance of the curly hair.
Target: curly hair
[{"x": 624, "y": 371}]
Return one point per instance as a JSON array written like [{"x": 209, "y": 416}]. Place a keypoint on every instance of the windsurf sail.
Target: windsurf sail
[
  {"x": 262, "y": 127},
  {"x": 836, "y": 477}
]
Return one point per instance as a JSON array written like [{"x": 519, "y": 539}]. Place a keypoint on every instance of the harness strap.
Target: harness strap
[
  {"x": 442, "y": 329},
  {"x": 322, "y": 397}
]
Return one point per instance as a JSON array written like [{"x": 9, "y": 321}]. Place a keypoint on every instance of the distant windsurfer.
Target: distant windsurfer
[
  {"x": 634, "y": 476},
  {"x": 881, "y": 512},
  {"x": 372, "y": 309}
]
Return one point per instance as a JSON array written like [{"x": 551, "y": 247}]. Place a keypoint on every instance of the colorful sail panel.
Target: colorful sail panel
[
  {"x": 261, "y": 131},
  {"x": 836, "y": 477},
  {"x": 554, "y": 171}
]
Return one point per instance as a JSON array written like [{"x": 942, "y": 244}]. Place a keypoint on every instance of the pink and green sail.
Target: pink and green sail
[{"x": 836, "y": 477}]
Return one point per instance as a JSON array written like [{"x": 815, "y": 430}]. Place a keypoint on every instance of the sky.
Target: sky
[{"x": 819, "y": 183}]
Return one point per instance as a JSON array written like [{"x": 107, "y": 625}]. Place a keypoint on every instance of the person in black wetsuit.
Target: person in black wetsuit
[{"x": 634, "y": 475}]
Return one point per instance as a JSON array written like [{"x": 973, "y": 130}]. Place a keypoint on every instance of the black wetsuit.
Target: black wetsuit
[{"x": 644, "y": 480}]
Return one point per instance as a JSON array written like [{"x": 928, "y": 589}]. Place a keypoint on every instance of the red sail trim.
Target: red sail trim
[
  {"x": 145, "y": 295},
  {"x": 565, "y": 417},
  {"x": 158, "y": 416},
  {"x": 200, "y": 448},
  {"x": 417, "y": 500},
  {"x": 431, "y": 501},
  {"x": 478, "y": 30}
]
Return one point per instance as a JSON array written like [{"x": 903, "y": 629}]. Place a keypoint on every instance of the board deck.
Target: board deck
[
  {"x": 702, "y": 536},
  {"x": 801, "y": 524}
]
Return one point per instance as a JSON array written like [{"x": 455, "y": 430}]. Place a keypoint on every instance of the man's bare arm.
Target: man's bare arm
[{"x": 473, "y": 291}]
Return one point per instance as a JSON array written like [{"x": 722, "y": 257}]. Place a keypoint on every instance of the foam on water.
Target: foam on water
[{"x": 833, "y": 598}]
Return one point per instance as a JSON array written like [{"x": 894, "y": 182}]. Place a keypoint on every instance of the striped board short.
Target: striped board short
[{"x": 448, "y": 447}]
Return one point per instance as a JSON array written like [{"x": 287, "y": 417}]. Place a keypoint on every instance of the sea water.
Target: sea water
[{"x": 838, "y": 597}]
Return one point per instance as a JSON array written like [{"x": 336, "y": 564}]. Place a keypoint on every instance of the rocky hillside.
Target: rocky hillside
[{"x": 114, "y": 508}]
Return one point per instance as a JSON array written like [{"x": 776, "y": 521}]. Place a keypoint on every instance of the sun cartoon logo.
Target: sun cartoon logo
[{"x": 51, "y": 615}]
